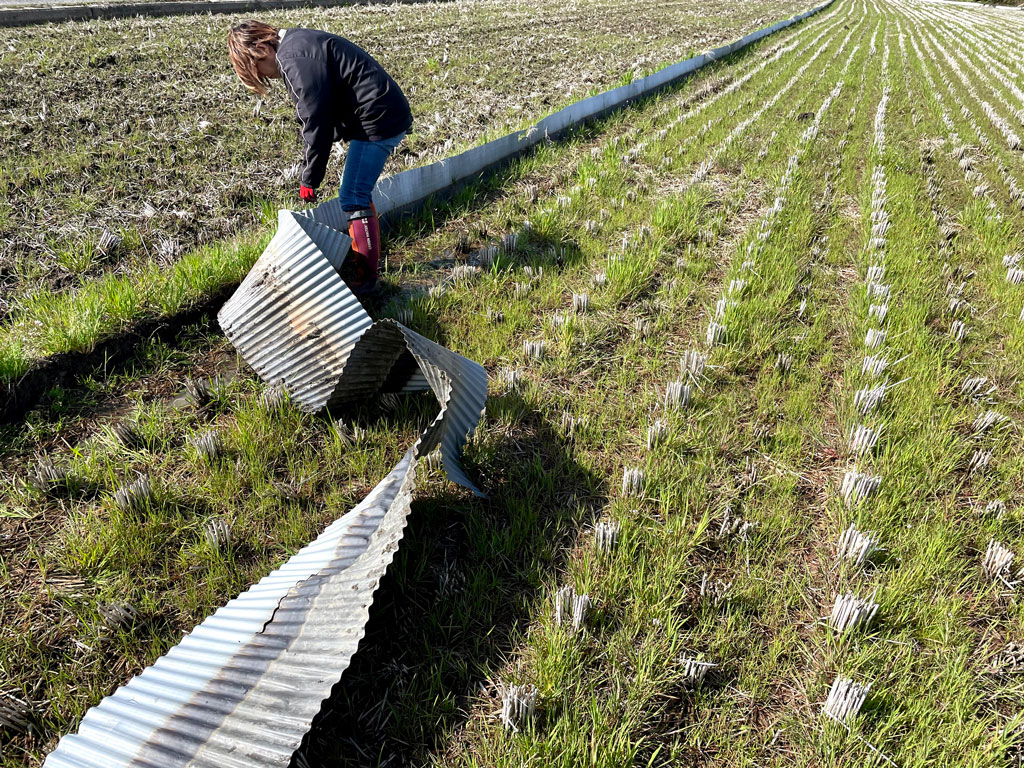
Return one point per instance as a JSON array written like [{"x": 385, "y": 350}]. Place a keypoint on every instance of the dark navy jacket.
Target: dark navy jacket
[{"x": 340, "y": 93}]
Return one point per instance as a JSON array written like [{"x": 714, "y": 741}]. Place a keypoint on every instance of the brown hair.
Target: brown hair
[{"x": 242, "y": 41}]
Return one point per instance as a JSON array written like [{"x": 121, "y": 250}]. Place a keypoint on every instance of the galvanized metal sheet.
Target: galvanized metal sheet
[
  {"x": 243, "y": 687},
  {"x": 292, "y": 318}
]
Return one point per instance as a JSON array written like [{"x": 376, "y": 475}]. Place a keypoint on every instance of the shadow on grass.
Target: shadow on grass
[{"x": 450, "y": 607}]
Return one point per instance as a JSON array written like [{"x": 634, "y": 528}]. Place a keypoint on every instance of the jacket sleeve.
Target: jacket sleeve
[{"x": 309, "y": 84}]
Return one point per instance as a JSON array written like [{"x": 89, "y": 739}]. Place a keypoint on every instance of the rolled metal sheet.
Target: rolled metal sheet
[
  {"x": 292, "y": 318},
  {"x": 242, "y": 689}
]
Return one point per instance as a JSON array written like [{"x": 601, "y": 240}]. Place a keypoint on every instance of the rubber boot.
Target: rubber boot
[{"x": 364, "y": 229}]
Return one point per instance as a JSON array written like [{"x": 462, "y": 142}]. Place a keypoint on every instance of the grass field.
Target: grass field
[{"x": 802, "y": 315}]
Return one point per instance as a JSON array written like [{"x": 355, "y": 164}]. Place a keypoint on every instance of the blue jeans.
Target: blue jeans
[{"x": 363, "y": 164}]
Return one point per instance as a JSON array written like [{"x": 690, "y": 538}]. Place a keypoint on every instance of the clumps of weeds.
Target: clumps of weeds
[
  {"x": 134, "y": 496},
  {"x": 571, "y": 608},
  {"x": 518, "y": 705}
]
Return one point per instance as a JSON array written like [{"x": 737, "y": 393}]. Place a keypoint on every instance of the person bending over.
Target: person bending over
[{"x": 341, "y": 94}]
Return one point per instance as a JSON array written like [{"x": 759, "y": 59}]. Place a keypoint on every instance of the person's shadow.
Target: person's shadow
[{"x": 463, "y": 579}]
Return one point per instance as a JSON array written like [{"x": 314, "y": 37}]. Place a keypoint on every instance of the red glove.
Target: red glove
[{"x": 307, "y": 194}]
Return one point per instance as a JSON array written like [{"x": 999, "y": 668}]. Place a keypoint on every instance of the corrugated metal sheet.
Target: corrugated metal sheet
[
  {"x": 243, "y": 687},
  {"x": 292, "y": 318}
]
